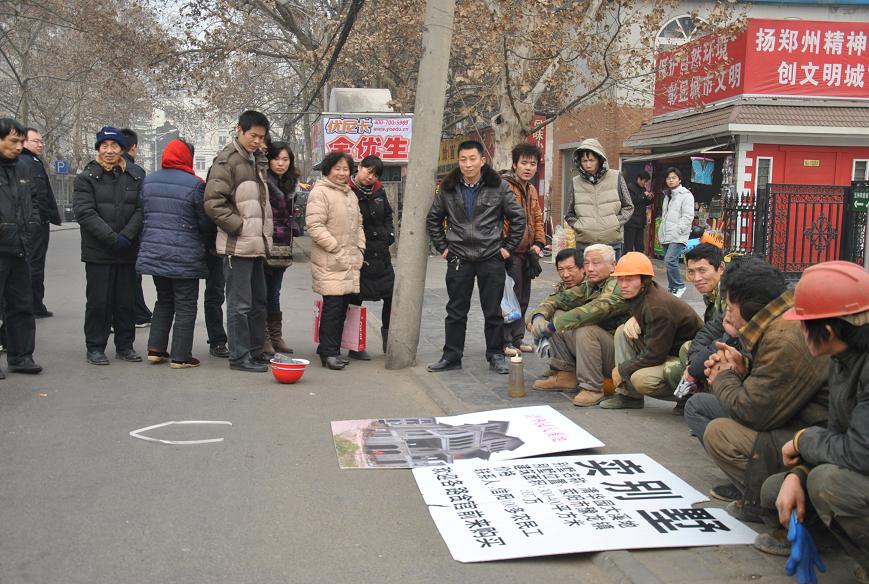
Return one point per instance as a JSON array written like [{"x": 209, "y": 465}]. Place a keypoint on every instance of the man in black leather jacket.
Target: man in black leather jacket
[{"x": 475, "y": 201}]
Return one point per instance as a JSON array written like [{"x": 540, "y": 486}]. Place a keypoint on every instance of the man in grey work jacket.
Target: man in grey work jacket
[{"x": 475, "y": 201}]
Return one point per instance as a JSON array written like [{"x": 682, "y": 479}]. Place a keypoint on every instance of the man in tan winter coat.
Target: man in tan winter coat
[{"x": 236, "y": 199}]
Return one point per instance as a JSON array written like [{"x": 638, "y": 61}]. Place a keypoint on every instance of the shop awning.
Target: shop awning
[{"x": 696, "y": 151}]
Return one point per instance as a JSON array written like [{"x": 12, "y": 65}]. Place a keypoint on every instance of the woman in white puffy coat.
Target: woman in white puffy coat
[{"x": 677, "y": 216}]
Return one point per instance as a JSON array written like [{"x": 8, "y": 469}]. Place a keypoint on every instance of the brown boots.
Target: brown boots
[
  {"x": 274, "y": 342},
  {"x": 560, "y": 381}
]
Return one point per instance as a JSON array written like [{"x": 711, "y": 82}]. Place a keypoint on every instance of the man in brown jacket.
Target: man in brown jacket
[
  {"x": 236, "y": 199},
  {"x": 521, "y": 266},
  {"x": 665, "y": 323},
  {"x": 774, "y": 384}
]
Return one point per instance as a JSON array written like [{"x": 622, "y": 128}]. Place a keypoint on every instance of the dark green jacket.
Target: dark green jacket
[{"x": 586, "y": 304}]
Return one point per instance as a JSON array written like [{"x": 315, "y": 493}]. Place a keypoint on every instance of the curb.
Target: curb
[{"x": 445, "y": 399}]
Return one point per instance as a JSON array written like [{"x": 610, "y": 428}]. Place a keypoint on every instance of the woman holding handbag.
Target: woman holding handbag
[
  {"x": 281, "y": 180},
  {"x": 334, "y": 223}
]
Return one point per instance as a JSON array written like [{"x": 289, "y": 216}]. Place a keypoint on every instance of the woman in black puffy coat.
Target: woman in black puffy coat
[{"x": 377, "y": 277}]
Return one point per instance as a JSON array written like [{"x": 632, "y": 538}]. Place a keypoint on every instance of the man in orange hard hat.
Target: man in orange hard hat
[{"x": 665, "y": 321}]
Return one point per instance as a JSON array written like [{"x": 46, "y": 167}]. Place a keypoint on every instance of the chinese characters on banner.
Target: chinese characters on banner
[
  {"x": 547, "y": 506},
  {"x": 364, "y": 135},
  {"x": 772, "y": 57}
]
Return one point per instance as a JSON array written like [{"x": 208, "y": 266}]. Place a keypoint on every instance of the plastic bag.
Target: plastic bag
[
  {"x": 510, "y": 308},
  {"x": 569, "y": 235},
  {"x": 559, "y": 240}
]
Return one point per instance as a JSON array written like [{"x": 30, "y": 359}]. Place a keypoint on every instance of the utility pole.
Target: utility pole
[{"x": 428, "y": 115}]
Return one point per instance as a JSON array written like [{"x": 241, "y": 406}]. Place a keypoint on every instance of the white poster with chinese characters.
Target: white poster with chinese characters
[
  {"x": 491, "y": 435},
  {"x": 548, "y": 506},
  {"x": 362, "y": 135}
]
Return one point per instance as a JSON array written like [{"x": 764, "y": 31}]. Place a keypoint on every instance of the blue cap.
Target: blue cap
[{"x": 110, "y": 133}]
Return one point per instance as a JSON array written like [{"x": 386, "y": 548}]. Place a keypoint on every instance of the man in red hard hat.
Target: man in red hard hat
[
  {"x": 665, "y": 321},
  {"x": 829, "y": 466}
]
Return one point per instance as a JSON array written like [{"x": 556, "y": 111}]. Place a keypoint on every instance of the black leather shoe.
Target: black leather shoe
[
  {"x": 498, "y": 363},
  {"x": 444, "y": 365},
  {"x": 334, "y": 363},
  {"x": 219, "y": 350},
  {"x": 129, "y": 355},
  {"x": 249, "y": 365},
  {"x": 359, "y": 355},
  {"x": 262, "y": 358},
  {"x": 43, "y": 314},
  {"x": 26, "y": 365},
  {"x": 97, "y": 358}
]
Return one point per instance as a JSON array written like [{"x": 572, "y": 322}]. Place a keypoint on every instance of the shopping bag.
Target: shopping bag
[
  {"x": 354, "y": 336},
  {"x": 510, "y": 309}
]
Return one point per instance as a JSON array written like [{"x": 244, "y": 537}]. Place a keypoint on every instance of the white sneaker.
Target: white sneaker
[{"x": 679, "y": 292}]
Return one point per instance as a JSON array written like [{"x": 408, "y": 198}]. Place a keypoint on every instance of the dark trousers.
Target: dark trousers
[
  {"x": 111, "y": 298},
  {"x": 332, "y": 316},
  {"x": 215, "y": 296},
  {"x": 142, "y": 313},
  {"x": 17, "y": 300},
  {"x": 700, "y": 409},
  {"x": 461, "y": 274},
  {"x": 245, "y": 306},
  {"x": 38, "y": 250},
  {"x": 514, "y": 331},
  {"x": 385, "y": 313},
  {"x": 634, "y": 239},
  {"x": 274, "y": 280},
  {"x": 176, "y": 301}
]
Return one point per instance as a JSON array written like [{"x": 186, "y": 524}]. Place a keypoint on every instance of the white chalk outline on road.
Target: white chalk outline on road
[{"x": 137, "y": 433}]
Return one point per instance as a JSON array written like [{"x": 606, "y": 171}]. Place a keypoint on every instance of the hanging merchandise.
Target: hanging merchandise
[{"x": 701, "y": 170}]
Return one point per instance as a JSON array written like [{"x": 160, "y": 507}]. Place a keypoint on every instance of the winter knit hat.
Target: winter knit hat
[{"x": 110, "y": 133}]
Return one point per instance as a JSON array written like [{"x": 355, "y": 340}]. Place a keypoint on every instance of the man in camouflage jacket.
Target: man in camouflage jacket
[{"x": 583, "y": 353}]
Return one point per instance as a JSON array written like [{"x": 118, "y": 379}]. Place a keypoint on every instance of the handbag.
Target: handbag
[
  {"x": 280, "y": 256},
  {"x": 354, "y": 335}
]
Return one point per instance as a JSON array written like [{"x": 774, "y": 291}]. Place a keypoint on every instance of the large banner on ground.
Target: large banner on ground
[
  {"x": 547, "y": 506},
  {"x": 491, "y": 435}
]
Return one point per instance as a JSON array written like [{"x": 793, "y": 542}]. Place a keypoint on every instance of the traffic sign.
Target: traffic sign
[
  {"x": 860, "y": 195},
  {"x": 61, "y": 167}
]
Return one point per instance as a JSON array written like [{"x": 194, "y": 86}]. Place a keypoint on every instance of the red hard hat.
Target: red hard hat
[{"x": 829, "y": 290}]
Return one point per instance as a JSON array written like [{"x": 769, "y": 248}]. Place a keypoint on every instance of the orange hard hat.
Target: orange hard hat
[
  {"x": 634, "y": 263},
  {"x": 830, "y": 290}
]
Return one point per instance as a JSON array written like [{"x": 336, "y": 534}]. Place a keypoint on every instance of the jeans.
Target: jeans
[
  {"x": 332, "y": 317},
  {"x": 274, "y": 280},
  {"x": 176, "y": 300},
  {"x": 215, "y": 296},
  {"x": 460, "y": 277},
  {"x": 672, "y": 253},
  {"x": 38, "y": 250},
  {"x": 245, "y": 306},
  {"x": 111, "y": 298},
  {"x": 17, "y": 300}
]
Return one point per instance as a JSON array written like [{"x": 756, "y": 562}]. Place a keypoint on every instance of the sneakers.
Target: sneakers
[
  {"x": 219, "y": 350},
  {"x": 498, "y": 363},
  {"x": 155, "y": 356},
  {"x": 726, "y": 492},
  {"x": 746, "y": 513},
  {"x": 194, "y": 362},
  {"x": 560, "y": 381},
  {"x": 775, "y": 543},
  {"x": 623, "y": 402},
  {"x": 678, "y": 292}
]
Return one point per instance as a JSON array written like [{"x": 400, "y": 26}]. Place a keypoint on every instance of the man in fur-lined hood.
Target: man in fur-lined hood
[{"x": 475, "y": 201}]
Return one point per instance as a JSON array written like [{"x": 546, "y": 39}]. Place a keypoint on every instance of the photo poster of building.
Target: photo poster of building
[
  {"x": 489, "y": 511},
  {"x": 434, "y": 441}
]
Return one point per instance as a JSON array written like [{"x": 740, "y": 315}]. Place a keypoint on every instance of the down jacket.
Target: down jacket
[
  {"x": 677, "y": 216},
  {"x": 43, "y": 193},
  {"x": 378, "y": 277},
  {"x": 478, "y": 237},
  {"x": 176, "y": 226},
  {"x": 18, "y": 214},
  {"x": 107, "y": 204},
  {"x": 337, "y": 238},
  {"x": 237, "y": 200}
]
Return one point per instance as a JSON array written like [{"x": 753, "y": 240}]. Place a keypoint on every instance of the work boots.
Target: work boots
[
  {"x": 274, "y": 334},
  {"x": 561, "y": 381}
]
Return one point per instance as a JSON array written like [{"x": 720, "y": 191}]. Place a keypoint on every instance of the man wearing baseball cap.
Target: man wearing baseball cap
[{"x": 109, "y": 212}]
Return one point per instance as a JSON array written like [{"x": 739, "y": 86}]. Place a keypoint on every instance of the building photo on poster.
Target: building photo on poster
[
  {"x": 433, "y": 441},
  {"x": 557, "y": 505}
]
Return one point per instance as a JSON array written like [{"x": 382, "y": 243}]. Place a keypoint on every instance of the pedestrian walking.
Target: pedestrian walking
[
  {"x": 131, "y": 138},
  {"x": 108, "y": 208},
  {"x": 524, "y": 263},
  {"x": 48, "y": 214},
  {"x": 337, "y": 247},
  {"x": 600, "y": 203},
  {"x": 236, "y": 199},
  {"x": 18, "y": 211},
  {"x": 377, "y": 277},
  {"x": 677, "y": 216},
  {"x": 475, "y": 201},
  {"x": 282, "y": 180},
  {"x": 173, "y": 253}
]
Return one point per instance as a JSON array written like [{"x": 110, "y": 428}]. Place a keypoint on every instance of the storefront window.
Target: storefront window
[
  {"x": 861, "y": 170},
  {"x": 764, "y": 171}
]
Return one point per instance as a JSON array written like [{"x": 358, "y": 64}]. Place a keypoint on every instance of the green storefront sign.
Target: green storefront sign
[{"x": 860, "y": 195}]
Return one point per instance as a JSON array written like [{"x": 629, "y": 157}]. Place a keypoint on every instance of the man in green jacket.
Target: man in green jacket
[{"x": 582, "y": 336}]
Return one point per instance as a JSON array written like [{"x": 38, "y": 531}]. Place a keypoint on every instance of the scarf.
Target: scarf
[{"x": 109, "y": 167}]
